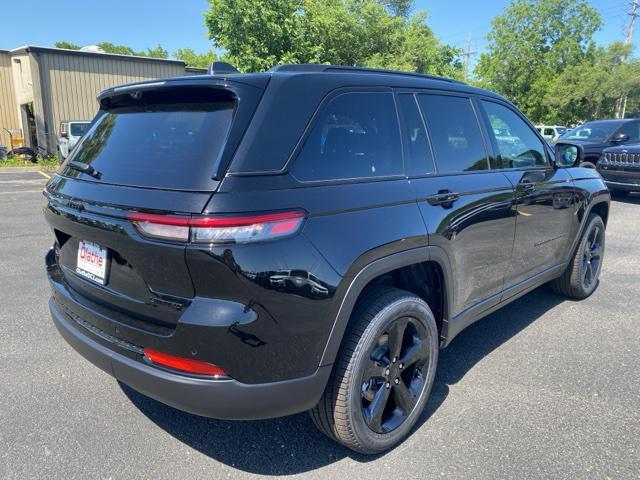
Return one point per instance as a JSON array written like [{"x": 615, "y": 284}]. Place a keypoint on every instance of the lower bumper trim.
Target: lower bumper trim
[{"x": 223, "y": 399}]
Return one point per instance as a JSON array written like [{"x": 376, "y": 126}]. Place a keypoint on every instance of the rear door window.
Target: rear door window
[
  {"x": 454, "y": 132},
  {"x": 356, "y": 135},
  {"x": 518, "y": 145},
  {"x": 170, "y": 140}
]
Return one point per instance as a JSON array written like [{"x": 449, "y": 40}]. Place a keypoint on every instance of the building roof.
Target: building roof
[{"x": 64, "y": 51}]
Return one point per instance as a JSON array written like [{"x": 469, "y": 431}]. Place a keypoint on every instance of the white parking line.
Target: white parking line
[
  {"x": 44, "y": 174},
  {"x": 13, "y": 192}
]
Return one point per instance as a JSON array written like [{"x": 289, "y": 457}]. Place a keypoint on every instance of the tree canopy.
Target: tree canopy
[
  {"x": 532, "y": 43},
  {"x": 541, "y": 54},
  {"x": 590, "y": 89},
  {"x": 193, "y": 59},
  {"x": 108, "y": 47},
  {"x": 346, "y": 32}
]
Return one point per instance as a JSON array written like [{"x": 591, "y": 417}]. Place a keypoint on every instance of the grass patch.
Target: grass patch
[{"x": 50, "y": 163}]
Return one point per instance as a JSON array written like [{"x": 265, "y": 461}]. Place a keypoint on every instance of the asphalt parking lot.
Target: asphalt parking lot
[{"x": 544, "y": 388}]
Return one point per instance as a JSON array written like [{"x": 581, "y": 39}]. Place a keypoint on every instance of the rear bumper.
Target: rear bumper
[{"x": 224, "y": 399}]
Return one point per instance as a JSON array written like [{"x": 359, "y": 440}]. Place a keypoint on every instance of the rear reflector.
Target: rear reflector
[
  {"x": 219, "y": 229},
  {"x": 183, "y": 364}
]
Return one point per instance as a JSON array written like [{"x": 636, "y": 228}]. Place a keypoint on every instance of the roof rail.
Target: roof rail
[{"x": 314, "y": 68}]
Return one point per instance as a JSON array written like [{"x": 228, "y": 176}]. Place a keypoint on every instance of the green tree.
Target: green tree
[
  {"x": 193, "y": 59},
  {"x": 532, "y": 43},
  {"x": 589, "y": 90},
  {"x": 108, "y": 47},
  {"x": 157, "y": 52},
  {"x": 372, "y": 33},
  {"x": 400, "y": 8},
  {"x": 67, "y": 45}
]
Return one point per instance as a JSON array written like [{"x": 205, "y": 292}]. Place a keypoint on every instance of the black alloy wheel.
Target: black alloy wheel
[
  {"x": 383, "y": 374},
  {"x": 592, "y": 256},
  {"x": 393, "y": 376},
  {"x": 580, "y": 278}
]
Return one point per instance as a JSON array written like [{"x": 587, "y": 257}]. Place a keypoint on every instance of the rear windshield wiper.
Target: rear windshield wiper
[{"x": 84, "y": 168}]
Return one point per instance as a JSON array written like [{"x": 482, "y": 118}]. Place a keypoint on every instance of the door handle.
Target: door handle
[
  {"x": 444, "y": 198},
  {"x": 526, "y": 187}
]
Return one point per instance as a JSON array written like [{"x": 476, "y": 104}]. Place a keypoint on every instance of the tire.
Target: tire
[
  {"x": 588, "y": 165},
  {"x": 580, "y": 279},
  {"x": 346, "y": 412},
  {"x": 619, "y": 193}
]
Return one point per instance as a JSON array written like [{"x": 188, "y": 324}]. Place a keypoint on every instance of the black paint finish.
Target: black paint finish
[{"x": 277, "y": 311}]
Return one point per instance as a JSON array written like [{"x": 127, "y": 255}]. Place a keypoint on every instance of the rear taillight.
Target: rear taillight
[
  {"x": 183, "y": 364},
  {"x": 219, "y": 229}
]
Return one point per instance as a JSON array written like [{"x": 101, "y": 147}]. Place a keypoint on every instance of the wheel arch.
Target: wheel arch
[
  {"x": 600, "y": 205},
  {"x": 601, "y": 208},
  {"x": 368, "y": 275}
]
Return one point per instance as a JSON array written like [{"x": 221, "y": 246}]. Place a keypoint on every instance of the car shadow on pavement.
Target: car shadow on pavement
[{"x": 291, "y": 445}]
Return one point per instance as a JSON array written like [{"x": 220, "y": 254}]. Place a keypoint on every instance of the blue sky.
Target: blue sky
[{"x": 175, "y": 24}]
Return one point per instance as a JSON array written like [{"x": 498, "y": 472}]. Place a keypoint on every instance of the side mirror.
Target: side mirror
[
  {"x": 64, "y": 135},
  {"x": 620, "y": 138},
  {"x": 568, "y": 155}
]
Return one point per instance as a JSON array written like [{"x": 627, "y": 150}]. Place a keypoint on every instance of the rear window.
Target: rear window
[
  {"x": 355, "y": 136},
  {"x": 169, "y": 139}
]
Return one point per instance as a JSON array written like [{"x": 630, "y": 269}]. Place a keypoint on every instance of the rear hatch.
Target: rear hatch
[{"x": 155, "y": 148}]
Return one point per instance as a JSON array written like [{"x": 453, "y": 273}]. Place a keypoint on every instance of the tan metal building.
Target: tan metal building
[
  {"x": 8, "y": 105},
  {"x": 41, "y": 87}
]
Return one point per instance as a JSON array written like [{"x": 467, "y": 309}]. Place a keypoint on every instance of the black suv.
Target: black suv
[
  {"x": 620, "y": 168},
  {"x": 246, "y": 246},
  {"x": 593, "y": 137}
]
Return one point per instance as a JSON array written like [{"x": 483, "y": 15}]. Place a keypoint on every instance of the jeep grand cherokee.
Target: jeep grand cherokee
[{"x": 246, "y": 246}]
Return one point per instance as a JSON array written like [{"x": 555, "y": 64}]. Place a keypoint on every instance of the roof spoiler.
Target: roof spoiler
[{"x": 217, "y": 68}]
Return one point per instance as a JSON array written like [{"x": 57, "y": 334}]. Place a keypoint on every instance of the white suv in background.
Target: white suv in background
[
  {"x": 551, "y": 133},
  {"x": 70, "y": 132}
]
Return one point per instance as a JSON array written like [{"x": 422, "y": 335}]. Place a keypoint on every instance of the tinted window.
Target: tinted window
[
  {"x": 518, "y": 146},
  {"x": 631, "y": 130},
  {"x": 171, "y": 141},
  {"x": 418, "y": 152},
  {"x": 79, "y": 129},
  {"x": 455, "y": 134},
  {"x": 594, "y": 131},
  {"x": 549, "y": 131},
  {"x": 356, "y": 135}
]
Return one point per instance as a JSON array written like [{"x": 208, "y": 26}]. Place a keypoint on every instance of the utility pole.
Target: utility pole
[
  {"x": 633, "y": 14},
  {"x": 621, "y": 107},
  {"x": 467, "y": 57}
]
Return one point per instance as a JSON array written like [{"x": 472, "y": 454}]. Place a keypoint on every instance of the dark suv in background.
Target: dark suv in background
[
  {"x": 248, "y": 246},
  {"x": 593, "y": 137},
  {"x": 620, "y": 168}
]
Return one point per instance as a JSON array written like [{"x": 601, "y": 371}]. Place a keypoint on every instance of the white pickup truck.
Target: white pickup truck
[{"x": 70, "y": 132}]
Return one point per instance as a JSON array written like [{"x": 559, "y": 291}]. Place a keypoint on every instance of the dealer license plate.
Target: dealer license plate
[{"x": 92, "y": 262}]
